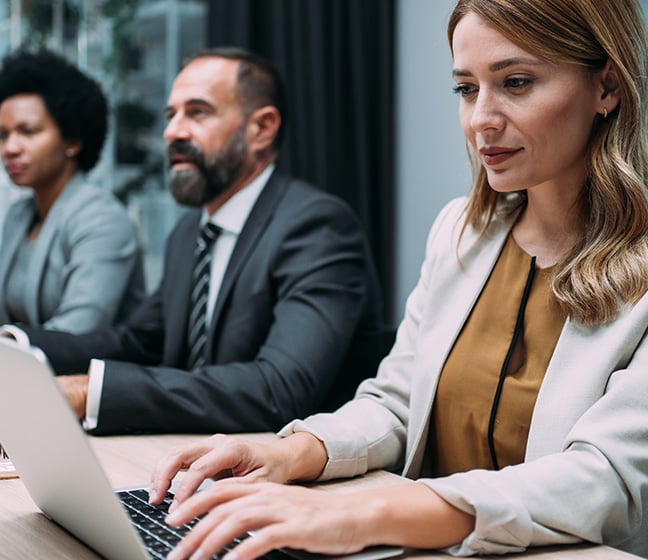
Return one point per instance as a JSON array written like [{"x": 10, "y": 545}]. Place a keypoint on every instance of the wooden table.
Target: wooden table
[{"x": 128, "y": 460}]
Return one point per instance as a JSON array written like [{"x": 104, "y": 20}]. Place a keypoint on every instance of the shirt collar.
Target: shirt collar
[{"x": 232, "y": 215}]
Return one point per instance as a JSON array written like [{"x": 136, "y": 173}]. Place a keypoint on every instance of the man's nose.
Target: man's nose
[{"x": 176, "y": 129}]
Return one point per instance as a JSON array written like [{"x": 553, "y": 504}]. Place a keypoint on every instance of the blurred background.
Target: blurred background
[{"x": 371, "y": 113}]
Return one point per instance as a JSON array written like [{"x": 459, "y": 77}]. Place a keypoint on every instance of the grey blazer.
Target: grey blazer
[
  {"x": 86, "y": 269},
  {"x": 585, "y": 474}
]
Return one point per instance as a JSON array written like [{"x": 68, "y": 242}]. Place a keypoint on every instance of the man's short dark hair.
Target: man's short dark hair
[
  {"x": 75, "y": 101},
  {"x": 258, "y": 82}
]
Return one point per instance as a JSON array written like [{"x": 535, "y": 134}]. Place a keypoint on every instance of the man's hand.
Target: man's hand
[{"x": 75, "y": 388}]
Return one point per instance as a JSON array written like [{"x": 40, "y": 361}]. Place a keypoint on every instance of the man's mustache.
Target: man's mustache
[{"x": 182, "y": 148}]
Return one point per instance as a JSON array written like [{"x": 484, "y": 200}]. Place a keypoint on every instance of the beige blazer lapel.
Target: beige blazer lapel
[
  {"x": 579, "y": 373},
  {"x": 441, "y": 334}
]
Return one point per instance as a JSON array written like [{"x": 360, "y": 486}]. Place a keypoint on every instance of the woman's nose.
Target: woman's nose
[{"x": 486, "y": 112}]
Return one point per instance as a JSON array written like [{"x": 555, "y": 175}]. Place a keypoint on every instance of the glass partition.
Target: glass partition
[{"x": 134, "y": 49}]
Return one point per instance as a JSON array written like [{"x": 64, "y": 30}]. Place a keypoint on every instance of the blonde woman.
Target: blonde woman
[{"x": 516, "y": 393}]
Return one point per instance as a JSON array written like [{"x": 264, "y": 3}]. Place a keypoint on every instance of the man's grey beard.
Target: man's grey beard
[{"x": 197, "y": 186}]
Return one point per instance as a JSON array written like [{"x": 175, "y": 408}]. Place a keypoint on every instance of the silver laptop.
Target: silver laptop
[{"x": 64, "y": 477}]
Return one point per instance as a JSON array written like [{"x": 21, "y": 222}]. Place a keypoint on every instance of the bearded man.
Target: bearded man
[{"x": 268, "y": 308}]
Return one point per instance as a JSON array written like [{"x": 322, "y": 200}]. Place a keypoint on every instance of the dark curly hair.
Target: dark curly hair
[{"x": 75, "y": 101}]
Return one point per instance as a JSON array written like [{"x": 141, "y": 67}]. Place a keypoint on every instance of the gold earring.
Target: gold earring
[{"x": 605, "y": 113}]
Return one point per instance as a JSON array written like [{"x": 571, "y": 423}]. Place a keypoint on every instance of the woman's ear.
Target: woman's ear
[
  {"x": 609, "y": 86},
  {"x": 72, "y": 148}
]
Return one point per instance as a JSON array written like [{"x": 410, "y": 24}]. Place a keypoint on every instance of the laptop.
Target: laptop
[{"x": 59, "y": 469}]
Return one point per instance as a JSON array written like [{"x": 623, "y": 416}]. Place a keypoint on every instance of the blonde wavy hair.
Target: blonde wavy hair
[{"x": 609, "y": 267}]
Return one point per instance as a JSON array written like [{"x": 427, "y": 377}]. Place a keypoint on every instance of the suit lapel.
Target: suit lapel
[
  {"x": 177, "y": 279},
  {"x": 579, "y": 372},
  {"x": 17, "y": 226},
  {"x": 255, "y": 225},
  {"x": 61, "y": 209}
]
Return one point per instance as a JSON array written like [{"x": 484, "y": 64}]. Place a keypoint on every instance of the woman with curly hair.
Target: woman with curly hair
[{"x": 70, "y": 257}]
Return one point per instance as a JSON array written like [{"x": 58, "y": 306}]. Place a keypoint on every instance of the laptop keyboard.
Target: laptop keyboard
[{"x": 158, "y": 537}]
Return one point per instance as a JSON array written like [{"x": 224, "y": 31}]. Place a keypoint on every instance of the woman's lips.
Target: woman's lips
[
  {"x": 496, "y": 155},
  {"x": 14, "y": 169}
]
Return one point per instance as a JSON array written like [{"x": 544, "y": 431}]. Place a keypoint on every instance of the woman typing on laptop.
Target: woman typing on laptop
[{"x": 515, "y": 394}]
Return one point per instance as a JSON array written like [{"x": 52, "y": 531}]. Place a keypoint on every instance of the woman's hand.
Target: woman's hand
[
  {"x": 280, "y": 516},
  {"x": 406, "y": 515},
  {"x": 297, "y": 457}
]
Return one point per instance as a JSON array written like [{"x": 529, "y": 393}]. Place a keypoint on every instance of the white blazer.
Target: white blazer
[{"x": 585, "y": 474}]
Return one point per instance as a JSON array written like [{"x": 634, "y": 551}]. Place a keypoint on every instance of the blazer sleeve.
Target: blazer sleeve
[
  {"x": 370, "y": 431},
  {"x": 594, "y": 488},
  {"x": 139, "y": 339},
  {"x": 102, "y": 267},
  {"x": 319, "y": 272}
]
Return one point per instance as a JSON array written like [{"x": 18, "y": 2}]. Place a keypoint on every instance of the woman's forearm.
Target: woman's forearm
[{"x": 412, "y": 515}]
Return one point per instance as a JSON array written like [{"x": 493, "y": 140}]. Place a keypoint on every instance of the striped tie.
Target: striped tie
[{"x": 197, "y": 332}]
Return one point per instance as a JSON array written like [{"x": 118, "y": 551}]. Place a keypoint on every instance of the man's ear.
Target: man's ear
[
  {"x": 610, "y": 90},
  {"x": 262, "y": 128}
]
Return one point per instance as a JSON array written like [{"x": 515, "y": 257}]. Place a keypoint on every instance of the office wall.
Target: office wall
[{"x": 431, "y": 166}]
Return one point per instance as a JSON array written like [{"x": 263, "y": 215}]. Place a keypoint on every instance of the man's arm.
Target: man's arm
[
  {"x": 139, "y": 339},
  {"x": 318, "y": 272}
]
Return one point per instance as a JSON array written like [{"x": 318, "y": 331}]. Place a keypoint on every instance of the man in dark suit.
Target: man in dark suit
[{"x": 288, "y": 319}]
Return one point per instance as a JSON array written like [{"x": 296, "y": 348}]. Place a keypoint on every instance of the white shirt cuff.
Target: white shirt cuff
[{"x": 95, "y": 385}]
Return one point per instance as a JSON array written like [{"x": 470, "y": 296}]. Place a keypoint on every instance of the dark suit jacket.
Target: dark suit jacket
[{"x": 297, "y": 324}]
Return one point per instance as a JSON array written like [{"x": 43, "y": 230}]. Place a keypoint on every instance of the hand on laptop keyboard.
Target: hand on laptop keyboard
[{"x": 160, "y": 538}]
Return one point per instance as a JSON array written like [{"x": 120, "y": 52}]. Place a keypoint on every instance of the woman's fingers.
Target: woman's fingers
[
  {"x": 217, "y": 457},
  {"x": 203, "y": 502},
  {"x": 169, "y": 466},
  {"x": 181, "y": 458},
  {"x": 279, "y": 516},
  {"x": 229, "y": 518}
]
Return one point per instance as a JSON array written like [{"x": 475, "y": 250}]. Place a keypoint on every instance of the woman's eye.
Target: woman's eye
[
  {"x": 517, "y": 83},
  {"x": 27, "y": 130},
  {"x": 464, "y": 90}
]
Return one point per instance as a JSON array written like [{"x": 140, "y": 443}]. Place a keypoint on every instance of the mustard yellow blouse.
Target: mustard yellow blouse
[{"x": 489, "y": 384}]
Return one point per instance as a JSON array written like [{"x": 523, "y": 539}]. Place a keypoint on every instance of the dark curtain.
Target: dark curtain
[{"x": 337, "y": 60}]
